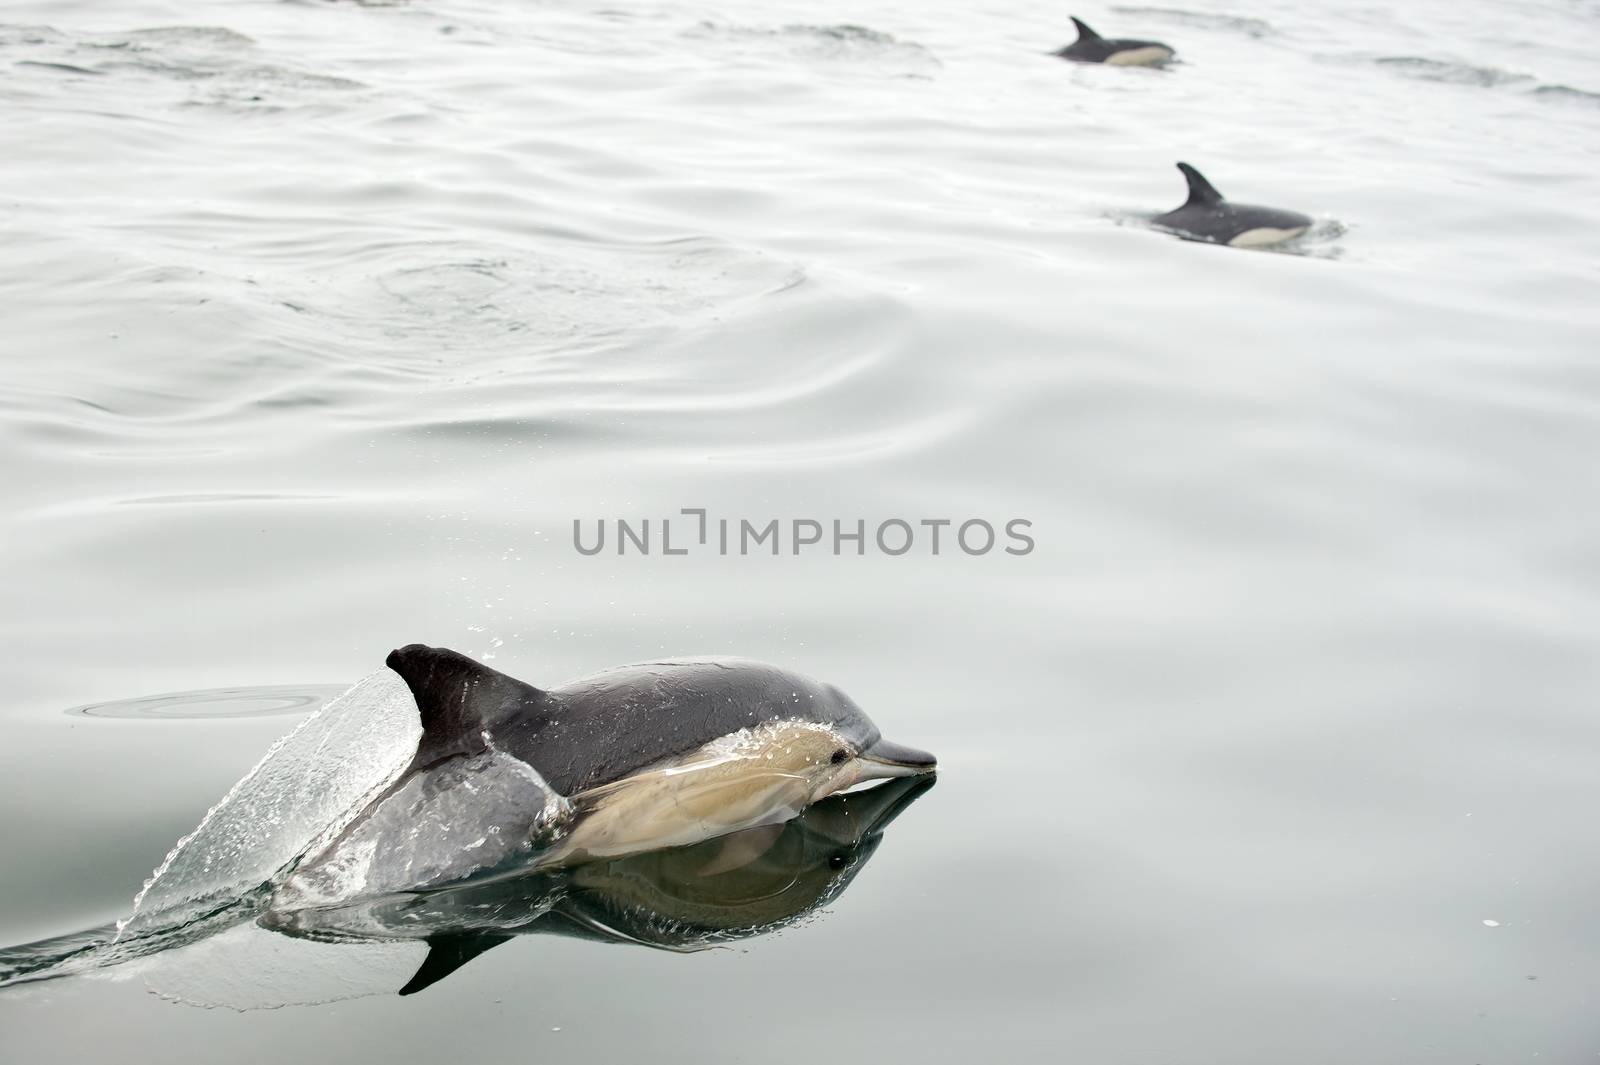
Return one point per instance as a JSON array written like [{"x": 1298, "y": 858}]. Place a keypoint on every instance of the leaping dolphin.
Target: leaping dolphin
[{"x": 639, "y": 757}]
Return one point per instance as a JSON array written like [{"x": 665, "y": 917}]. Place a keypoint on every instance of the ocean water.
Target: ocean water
[{"x": 323, "y": 322}]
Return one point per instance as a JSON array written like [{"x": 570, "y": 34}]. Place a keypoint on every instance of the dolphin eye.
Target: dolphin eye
[
  {"x": 836, "y": 861},
  {"x": 839, "y": 756}
]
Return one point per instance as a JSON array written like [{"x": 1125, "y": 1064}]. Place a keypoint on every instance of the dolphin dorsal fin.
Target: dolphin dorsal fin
[
  {"x": 1201, "y": 194},
  {"x": 458, "y": 698},
  {"x": 1084, "y": 32}
]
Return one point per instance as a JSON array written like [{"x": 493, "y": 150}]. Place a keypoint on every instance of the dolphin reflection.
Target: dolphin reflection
[
  {"x": 689, "y": 898},
  {"x": 683, "y": 899}
]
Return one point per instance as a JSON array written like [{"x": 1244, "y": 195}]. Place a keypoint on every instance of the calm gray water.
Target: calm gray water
[{"x": 323, "y": 322}]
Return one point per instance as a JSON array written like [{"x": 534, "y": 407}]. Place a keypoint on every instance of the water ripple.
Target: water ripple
[
  {"x": 216, "y": 703},
  {"x": 1238, "y": 24},
  {"x": 831, "y": 44},
  {"x": 223, "y": 67}
]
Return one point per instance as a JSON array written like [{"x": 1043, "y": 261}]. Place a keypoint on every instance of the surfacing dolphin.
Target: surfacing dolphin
[
  {"x": 509, "y": 780},
  {"x": 660, "y": 754},
  {"x": 1090, "y": 47},
  {"x": 1206, "y": 216}
]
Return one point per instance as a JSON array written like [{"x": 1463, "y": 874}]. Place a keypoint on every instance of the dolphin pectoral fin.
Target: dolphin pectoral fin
[
  {"x": 458, "y": 698},
  {"x": 446, "y": 954},
  {"x": 886, "y": 759}
]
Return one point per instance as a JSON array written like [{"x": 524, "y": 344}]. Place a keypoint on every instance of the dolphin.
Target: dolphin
[
  {"x": 1207, "y": 216},
  {"x": 685, "y": 899},
  {"x": 508, "y": 777},
  {"x": 1090, "y": 47}
]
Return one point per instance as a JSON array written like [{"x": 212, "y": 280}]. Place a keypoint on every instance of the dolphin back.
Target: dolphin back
[
  {"x": 603, "y": 727},
  {"x": 610, "y": 724}
]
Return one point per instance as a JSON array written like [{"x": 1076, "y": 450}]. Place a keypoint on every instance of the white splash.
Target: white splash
[
  {"x": 309, "y": 785},
  {"x": 466, "y": 816}
]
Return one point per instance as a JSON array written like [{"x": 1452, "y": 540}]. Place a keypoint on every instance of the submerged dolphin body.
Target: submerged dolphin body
[
  {"x": 719, "y": 891},
  {"x": 660, "y": 754},
  {"x": 1090, "y": 47},
  {"x": 1207, "y": 216}
]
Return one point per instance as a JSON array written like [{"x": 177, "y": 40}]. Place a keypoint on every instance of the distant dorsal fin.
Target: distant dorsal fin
[
  {"x": 1201, "y": 194},
  {"x": 1084, "y": 32},
  {"x": 446, "y": 954},
  {"x": 458, "y": 698}
]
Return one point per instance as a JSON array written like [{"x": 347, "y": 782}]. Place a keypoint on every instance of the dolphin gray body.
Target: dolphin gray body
[
  {"x": 1090, "y": 47},
  {"x": 507, "y": 776},
  {"x": 1206, "y": 216}
]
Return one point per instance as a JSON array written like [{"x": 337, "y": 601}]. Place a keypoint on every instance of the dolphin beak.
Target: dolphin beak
[{"x": 885, "y": 759}]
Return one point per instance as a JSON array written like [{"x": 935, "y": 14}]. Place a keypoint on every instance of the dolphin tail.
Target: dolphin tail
[
  {"x": 1201, "y": 194},
  {"x": 446, "y": 954},
  {"x": 1084, "y": 32}
]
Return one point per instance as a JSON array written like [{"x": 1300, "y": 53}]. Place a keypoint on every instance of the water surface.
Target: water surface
[{"x": 324, "y": 321}]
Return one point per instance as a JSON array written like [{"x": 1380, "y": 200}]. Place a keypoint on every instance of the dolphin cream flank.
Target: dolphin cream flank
[{"x": 651, "y": 755}]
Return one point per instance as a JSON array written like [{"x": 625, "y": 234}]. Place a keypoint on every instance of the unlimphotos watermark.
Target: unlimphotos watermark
[{"x": 697, "y": 532}]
